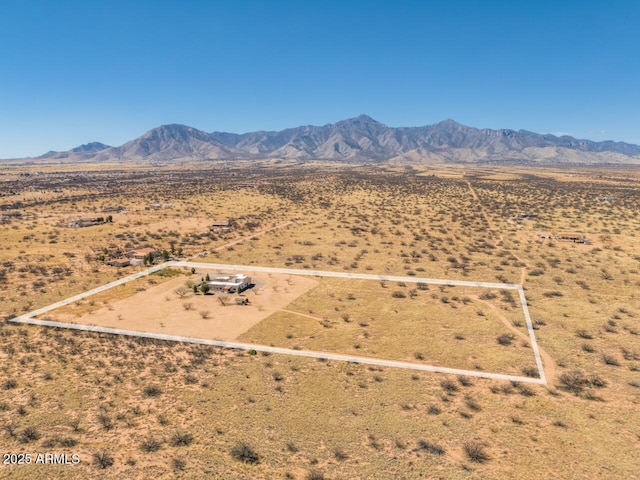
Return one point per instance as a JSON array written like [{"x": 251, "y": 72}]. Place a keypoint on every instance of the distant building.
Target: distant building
[
  {"x": 83, "y": 222},
  {"x": 136, "y": 257},
  {"x": 158, "y": 206},
  {"x": 572, "y": 237},
  {"x": 220, "y": 226},
  {"x": 89, "y": 222},
  {"x": 114, "y": 209},
  {"x": 118, "y": 262},
  {"x": 143, "y": 252}
]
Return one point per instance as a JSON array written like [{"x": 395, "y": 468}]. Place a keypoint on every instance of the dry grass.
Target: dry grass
[
  {"x": 361, "y": 317},
  {"x": 85, "y": 393}
]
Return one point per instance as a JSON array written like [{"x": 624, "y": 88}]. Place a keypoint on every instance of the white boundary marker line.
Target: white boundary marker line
[
  {"x": 28, "y": 318},
  {"x": 93, "y": 291},
  {"x": 282, "y": 351},
  {"x": 532, "y": 336},
  {"x": 360, "y": 276}
]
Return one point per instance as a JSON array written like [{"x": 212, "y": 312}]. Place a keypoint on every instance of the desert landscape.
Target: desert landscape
[
  {"x": 172, "y": 308},
  {"x": 290, "y": 309},
  {"x": 319, "y": 240},
  {"x": 136, "y": 408}
]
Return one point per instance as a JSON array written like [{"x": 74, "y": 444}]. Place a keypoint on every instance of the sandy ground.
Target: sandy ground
[{"x": 160, "y": 310}]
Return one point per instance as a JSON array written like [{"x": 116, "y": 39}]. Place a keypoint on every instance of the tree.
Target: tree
[
  {"x": 208, "y": 278},
  {"x": 205, "y": 288},
  {"x": 181, "y": 291}
]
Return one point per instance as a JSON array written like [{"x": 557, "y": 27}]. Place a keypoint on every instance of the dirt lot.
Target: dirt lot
[{"x": 159, "y": 309}]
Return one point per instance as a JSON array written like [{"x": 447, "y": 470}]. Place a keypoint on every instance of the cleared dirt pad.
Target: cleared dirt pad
[{"x": 160, "y": 310}]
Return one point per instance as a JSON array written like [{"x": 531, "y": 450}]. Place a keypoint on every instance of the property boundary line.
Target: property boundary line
[
  {"x": 360, "y": 276},
  {"x": 532, "y": 336},
  {"x": 28, "y": 318}
]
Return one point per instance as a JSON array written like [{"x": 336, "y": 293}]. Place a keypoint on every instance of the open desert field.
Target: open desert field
[
  {"x": 141, "y": 408},
  {"x": 366, "y": 318}
]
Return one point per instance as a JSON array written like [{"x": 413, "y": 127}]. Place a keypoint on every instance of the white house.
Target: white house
[{"x": 229, "y": 283}]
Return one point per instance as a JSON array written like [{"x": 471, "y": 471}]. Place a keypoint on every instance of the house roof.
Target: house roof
[
  {"x": 227, "y": 280},
  {"x": 118, "y": 262},
  {"x": 143, "y": 251},
  {"x": 570, "y": 234}
]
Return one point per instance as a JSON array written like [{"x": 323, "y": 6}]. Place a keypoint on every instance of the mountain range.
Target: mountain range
[{"x": 359, "y": 139}]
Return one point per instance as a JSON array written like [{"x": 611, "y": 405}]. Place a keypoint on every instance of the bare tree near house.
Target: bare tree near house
[{"x": 182, "y": 291}]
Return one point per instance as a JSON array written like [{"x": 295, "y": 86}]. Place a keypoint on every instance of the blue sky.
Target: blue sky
[{"x": 72, "y": 72}]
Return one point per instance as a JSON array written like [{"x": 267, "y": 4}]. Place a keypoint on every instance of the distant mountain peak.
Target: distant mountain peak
[
  {"x": 363, "y": 118},
  {"x": 90, "y": 147},
  {"x": 174, "y": 126},
  {"x": 449, "y": 122},
  {"x": 175, "y": 132},
  {"x": 86, "y": 150},
  {"x": 359, "y": 138},
  {"x": 366, "y": 118}
]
